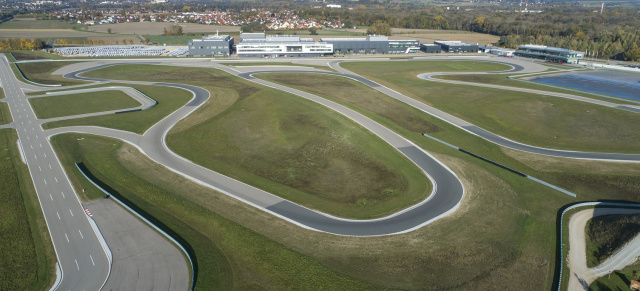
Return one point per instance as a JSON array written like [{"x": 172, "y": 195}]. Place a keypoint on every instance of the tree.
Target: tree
[
  {"x": 379, "y": 28},
  {"x": 633, "y": 54},
  {"x": 173, "y": 30},
  {"x": 313, "y": 30}
]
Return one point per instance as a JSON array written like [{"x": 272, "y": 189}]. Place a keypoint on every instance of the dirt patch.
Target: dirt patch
[{"x": 44, "y": 33}]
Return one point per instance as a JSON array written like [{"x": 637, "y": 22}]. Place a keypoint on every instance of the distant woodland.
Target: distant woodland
[{"x": 613, "y": 34}]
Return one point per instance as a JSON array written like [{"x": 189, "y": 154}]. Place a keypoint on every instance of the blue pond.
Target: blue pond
[{"x": 603, "y": 82}]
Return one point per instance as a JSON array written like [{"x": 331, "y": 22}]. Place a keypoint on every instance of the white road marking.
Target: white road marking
[
  {"x": 58, "y": 213},
  {"x": 28, "y": 138},
  {"x": 45, "y": 155},
  {"x": 56, "y": 179},
  {"x": 31, "y": 146},
  {"x": 92, "y": 260},
  {"x": 66, "y": 237},
  {"x": 70, "y": 212},
  {"x": 81, "y": 236},
  {"x": 77, "y": 265},
  {"x": 45, "y": 181},
  {"x": 50, "y": 167},
  {"x": 40, "y": 145},
  {"x": 35, "y": 157},
  {"x": 62, "y": 194},
  {"x": 40, "y": 168},
  {"x": 51, "y": 197}
]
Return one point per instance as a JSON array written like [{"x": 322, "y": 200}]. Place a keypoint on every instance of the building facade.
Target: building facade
[
  {"x": 372, "y": 44},
  {"x": 212, "y": 45},
  {"x": 553, "y": 54},
  {"x": 262, "y": 46},
  {"x": 457, "y": 46},
  {"x": 431, "y": 48}
]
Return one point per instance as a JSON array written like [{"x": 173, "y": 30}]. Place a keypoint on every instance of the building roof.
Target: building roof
[
  {"x": 547, "y": 48},
  {"x": 214, "y": 37},
  {"x": 453, "y": 42}
]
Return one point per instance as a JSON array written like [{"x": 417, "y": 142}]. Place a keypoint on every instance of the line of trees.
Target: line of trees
[
  {"x": 21, "y": 44},
  {"x": 614, "y": 34}
]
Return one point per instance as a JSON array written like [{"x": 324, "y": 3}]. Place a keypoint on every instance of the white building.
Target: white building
[{"x": 259, "y": 45}]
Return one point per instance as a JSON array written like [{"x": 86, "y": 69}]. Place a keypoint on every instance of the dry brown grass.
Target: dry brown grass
[
  {"x": 44, "y": 33},
  {"x": 156, "y": 28},
  {"x": 112, "y": 39},
  {"x": 544, "y": 163}
]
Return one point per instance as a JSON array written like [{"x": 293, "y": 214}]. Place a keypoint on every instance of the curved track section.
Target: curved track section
[
  {"x": 448, "y": 190},
  {"x": 492, "y": 137}
]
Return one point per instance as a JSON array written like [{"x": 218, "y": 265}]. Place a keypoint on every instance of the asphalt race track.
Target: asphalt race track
[
  {"x": 445, "y": 198},
  {"x": 82, "y": 259}
]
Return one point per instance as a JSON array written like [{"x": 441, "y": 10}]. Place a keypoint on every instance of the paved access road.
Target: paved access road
[{"x": 79, "y": 249}]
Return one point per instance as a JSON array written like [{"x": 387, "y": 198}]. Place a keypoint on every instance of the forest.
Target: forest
[{"x": 613, "y": 34}]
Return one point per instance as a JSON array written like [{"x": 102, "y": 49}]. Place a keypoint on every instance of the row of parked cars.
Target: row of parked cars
[{"x": 633, "y": 66}]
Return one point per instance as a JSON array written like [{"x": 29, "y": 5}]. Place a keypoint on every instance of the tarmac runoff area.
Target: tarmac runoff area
[
  {"x": 447, "y": 188},
  {"x": 142, "y": 258}
]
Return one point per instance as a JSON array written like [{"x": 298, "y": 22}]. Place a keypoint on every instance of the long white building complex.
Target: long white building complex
[
  {"x": 261, "y": 45},
  {"x": 553, "y": 54}
]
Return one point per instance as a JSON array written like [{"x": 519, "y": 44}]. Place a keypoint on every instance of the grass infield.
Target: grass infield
[
  {"x": 40, "y": 72},
  {"x": 503, "y": 80},
  {"x": 169, "y": 99},
  {"x": 528, "y": 118},
  {"x": 74, "y": 104},
  {"x": 229, "y": 256},
  {"x": 291, "y": 147},
  {"x": 503, "y": 233}
]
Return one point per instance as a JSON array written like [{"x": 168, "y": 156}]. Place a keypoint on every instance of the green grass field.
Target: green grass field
[
  {"x": 528, "y": 118},
  {"x": 80, "y": 103},
  {"x": 40, "y": 72},
  {"x": 513, "y": 247},
  {"x": 5, "y": 114},
  {"x": 169, "y": 100},
  {"x": 608, "y": 181},
  {"x": 505, "y": 81},
  {"x": 2, "y": 93},
  {"x": 229, "y": 256},
  {"x": 25, "y": 251},
  {"x": 301, "y": 151},
  {"x": 171, "y": 39},
  {"x": 326, "y": 68}
]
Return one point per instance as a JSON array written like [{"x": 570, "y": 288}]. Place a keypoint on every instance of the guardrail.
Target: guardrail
[{"x": 143, "y": 218}]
